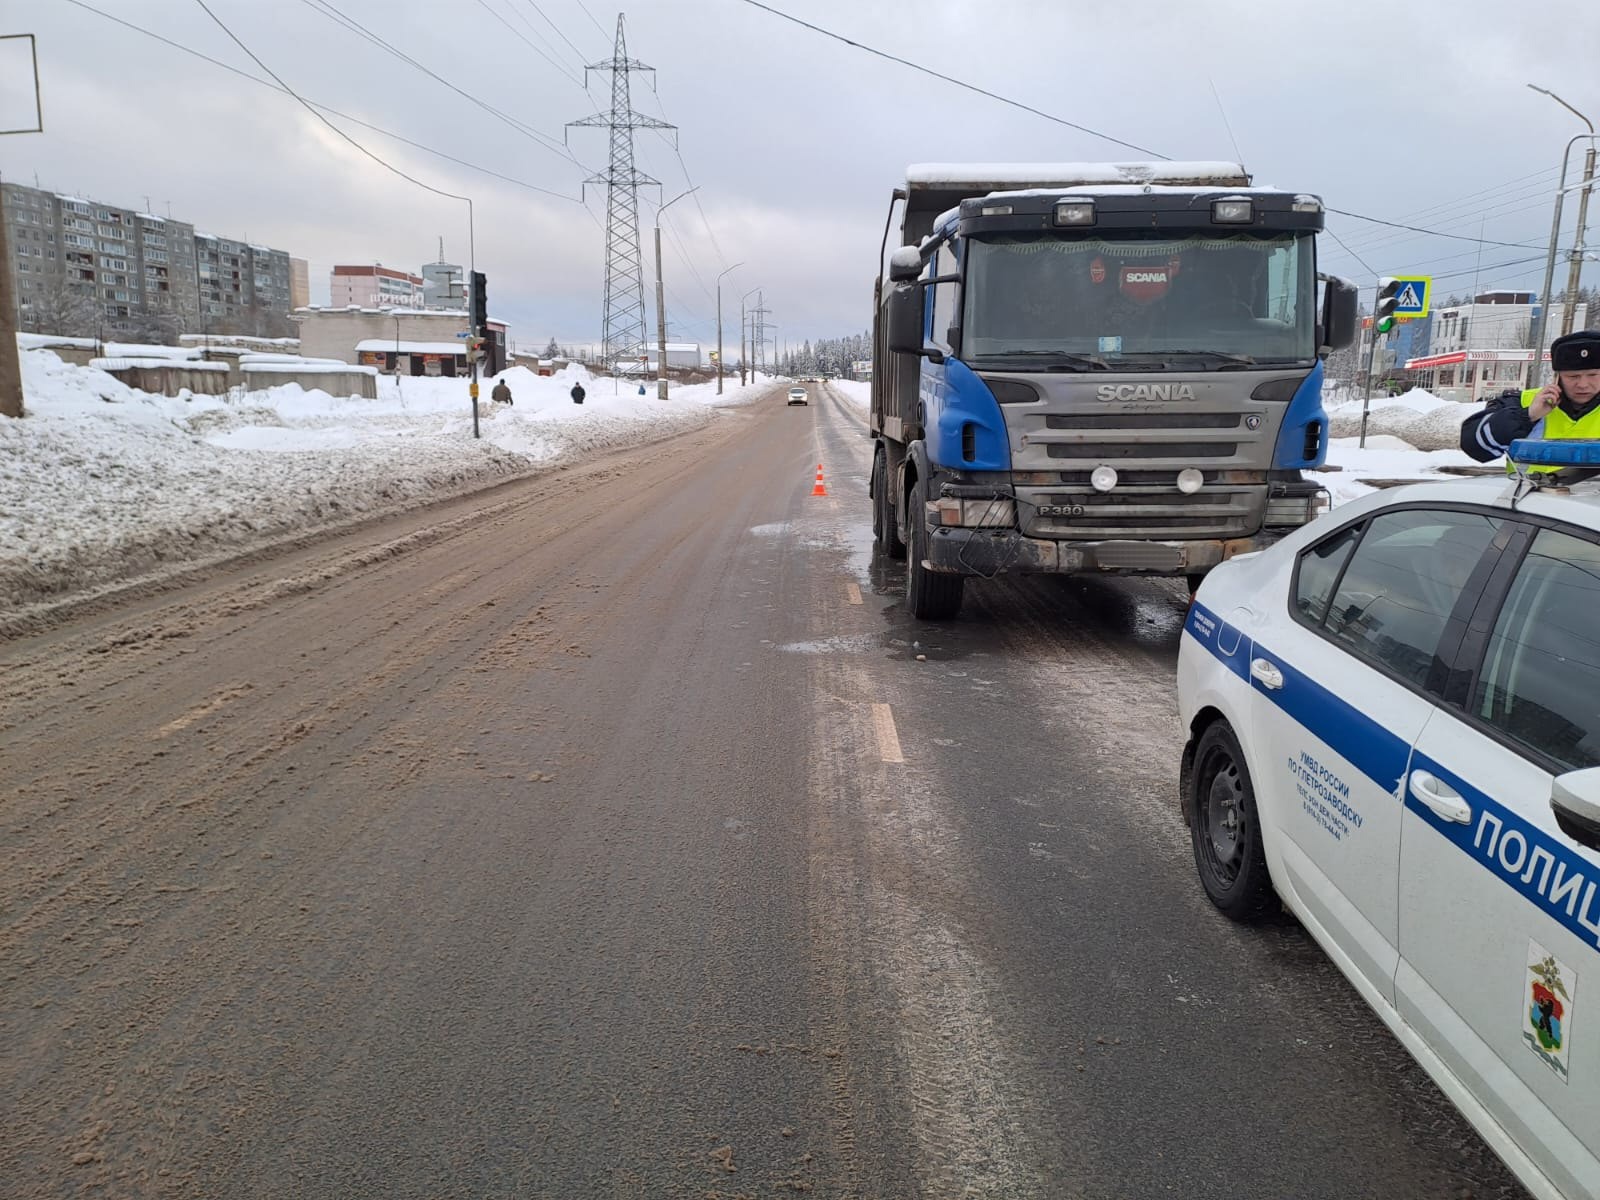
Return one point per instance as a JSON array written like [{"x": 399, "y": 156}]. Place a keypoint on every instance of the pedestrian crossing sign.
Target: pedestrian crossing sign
[{"x": 1412, "y": 300}]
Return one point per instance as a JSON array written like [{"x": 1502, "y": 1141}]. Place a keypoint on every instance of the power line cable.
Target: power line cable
[
  {"x": 1432, "y": 232},
  {"x": 483, "y": 4},
  {"x": 971, "y": 87},
  {"x": 960, "y": 83},
  {"x": 328, "y": 9},
  {"x": 310, "y": 108},
  {"x": 343, "y": 116},
  {"x": 592, "y": 21},
  {"x": 560, "y": 33}
]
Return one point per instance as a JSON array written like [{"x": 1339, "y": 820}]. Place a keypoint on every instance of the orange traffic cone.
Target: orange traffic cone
[{"x": 820, "y": 489}]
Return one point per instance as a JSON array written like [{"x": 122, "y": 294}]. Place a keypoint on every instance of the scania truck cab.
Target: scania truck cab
[{"x": 1096, "y": 368}]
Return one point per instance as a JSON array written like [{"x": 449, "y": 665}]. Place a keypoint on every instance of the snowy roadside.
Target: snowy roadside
[
  {"x": 1415, "y": 436},
  {"x": 102, "y": 485}
]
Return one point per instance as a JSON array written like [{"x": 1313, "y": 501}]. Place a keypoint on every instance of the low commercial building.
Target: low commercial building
[{"x": 397, "y": 340}]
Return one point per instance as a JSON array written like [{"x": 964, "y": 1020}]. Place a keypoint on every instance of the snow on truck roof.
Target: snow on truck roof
[{"x": 993, "y": 177}]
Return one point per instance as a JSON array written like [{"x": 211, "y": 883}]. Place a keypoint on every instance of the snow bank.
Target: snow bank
[
  {"x": 859, "y": 394},
  {"x": 101, "y": 483},
  {"x": 1385, "y": 458},
  {"x": 1418, "y": 416}
]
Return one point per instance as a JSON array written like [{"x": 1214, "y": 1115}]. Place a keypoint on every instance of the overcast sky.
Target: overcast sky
[{"x": 1411, "y": 112}]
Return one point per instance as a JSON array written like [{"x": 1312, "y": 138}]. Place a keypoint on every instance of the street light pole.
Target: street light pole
[
  {"x": 1575, "y": 271},
  {"x": 735, "y": 266},
  {"x": 743, "y": 357},
  {"x": 661, "y": 311}
]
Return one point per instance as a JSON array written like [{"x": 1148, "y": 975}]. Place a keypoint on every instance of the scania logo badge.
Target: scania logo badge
[
  {"x": 1252, "y": 422},
  {"x": 1144, "y": 391}
]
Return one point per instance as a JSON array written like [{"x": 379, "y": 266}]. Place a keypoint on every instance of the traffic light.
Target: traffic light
[
  {"x": 1383, "y": 318},
  {"x": 478, "y": 305}
]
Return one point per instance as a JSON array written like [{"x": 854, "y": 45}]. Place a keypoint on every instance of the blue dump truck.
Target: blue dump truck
[{"x": 1096, "y": 367}]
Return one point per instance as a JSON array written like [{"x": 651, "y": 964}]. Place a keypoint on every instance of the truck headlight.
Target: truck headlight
[
  {"x": 1074, "y": 212},
  {"x": 975, "y": 514}
]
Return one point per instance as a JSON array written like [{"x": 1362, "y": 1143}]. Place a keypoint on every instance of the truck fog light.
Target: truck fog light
[
  {"x": 1104, "y": 478},
  {"x": 1190, "y": 481}
]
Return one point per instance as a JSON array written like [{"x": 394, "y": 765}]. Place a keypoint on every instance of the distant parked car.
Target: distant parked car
[{"x": 797, "y": 395}]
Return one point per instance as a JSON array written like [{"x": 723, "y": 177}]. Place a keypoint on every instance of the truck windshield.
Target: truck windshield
[{"x": 1144, "y": 301}]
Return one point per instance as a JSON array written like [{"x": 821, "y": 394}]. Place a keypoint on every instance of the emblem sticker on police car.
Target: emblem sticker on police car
[{"x": 1547, "y": 1004}]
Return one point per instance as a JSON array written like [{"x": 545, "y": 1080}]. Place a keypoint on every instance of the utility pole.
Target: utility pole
[
  {"x": 661, "y": 306},
  {"x": 1575, "y": 272},
  {"x": 10, "y": 362},
  {"x": 735, "y": 267},
  {"x": 744, "y": 357}
]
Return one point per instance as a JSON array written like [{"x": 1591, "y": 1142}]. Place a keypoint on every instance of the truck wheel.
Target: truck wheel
[
  {"x": 884, "y": 528},
  {"x": 1226, "y": 830},
  {"x": 930, "y": 596}
]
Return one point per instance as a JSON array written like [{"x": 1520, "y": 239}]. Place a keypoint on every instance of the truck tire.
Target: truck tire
[
  {"x": 884, "y": 527},
  {"x": 930, "y": 595},
  {"x": 1226, "y": 830}
]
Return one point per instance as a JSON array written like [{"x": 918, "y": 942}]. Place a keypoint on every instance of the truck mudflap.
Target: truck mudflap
[{"x": 990, "y": 552}]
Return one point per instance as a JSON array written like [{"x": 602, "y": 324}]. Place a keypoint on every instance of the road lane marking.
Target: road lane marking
[
  {"x": 888, "y": 739},
  {"x": 202, "y": 710},
  {"x": 852, "y": 592}
]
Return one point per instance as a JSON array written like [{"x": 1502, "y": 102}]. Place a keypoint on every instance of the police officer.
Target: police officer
[{"x": 1566, "y": 407}]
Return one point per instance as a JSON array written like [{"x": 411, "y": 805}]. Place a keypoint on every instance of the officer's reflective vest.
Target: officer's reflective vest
[{"x": 1557, "y": 426}]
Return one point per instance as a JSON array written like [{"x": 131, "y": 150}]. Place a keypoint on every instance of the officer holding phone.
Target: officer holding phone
[{"x": 1566, "y": 407}]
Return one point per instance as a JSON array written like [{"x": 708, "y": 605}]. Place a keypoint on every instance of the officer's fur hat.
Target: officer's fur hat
[{"x": 1579, "y": 351}]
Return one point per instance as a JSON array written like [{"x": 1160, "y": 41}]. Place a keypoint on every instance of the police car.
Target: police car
[{"x": 1394, "y": 728}]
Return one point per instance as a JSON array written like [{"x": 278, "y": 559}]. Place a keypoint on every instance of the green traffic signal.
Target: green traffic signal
[{"x": 1385, "y": 324}]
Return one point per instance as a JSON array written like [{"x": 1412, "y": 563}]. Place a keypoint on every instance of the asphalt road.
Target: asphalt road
[{"x": 615, "y": 834}]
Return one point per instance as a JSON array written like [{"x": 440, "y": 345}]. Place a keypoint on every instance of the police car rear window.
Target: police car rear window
[{"x": 1540, "y": 680}]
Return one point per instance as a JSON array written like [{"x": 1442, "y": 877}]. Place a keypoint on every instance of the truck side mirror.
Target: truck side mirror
[
  {"x": 905, "y": 318},
  {"x": 1575, "y": 800},
  {"x": 1339, "y": 316},
  {"x": 905, "y": 264}
]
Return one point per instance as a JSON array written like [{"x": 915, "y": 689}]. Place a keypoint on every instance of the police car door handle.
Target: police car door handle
[
  {"x": 1264, "y": 673},
  {"x": 1440, "y": 797}
]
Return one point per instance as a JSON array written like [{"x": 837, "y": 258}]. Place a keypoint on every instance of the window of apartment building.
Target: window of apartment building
[{"x": 158, "y": 256}]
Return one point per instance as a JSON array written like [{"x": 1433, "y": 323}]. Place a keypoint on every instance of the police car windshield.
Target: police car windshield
[{"x": 1142, "y": 301}]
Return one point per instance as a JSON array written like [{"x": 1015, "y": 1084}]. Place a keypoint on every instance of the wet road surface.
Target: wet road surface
[{"x": 616, "y": 833}]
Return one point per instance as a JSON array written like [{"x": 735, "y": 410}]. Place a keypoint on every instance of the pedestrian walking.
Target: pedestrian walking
[
  {"x": 501, "y": 393},
  {"x": 578, "y": 393}
]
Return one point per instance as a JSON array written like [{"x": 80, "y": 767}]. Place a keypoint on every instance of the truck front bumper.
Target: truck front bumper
[{"x": 988, "y": 552}]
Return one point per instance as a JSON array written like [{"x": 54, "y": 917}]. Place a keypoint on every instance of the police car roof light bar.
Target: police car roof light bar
[{"x": 1560, "y": 452}]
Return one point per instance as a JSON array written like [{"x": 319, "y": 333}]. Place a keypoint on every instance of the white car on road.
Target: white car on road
[
  {"x": 798, "y": 395},
  {"x": 1394, "y": 727}
]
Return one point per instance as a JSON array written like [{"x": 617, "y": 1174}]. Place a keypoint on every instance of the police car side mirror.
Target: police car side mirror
[{"x": 1575, "y": 799}]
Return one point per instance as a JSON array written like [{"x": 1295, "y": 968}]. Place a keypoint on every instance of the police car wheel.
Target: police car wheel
[{"x": 1226, "y": 834}]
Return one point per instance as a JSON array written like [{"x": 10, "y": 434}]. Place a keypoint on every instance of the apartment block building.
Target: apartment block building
[
  {"x": 81, "y": 266},
  {"x": 372, "y": 285}
]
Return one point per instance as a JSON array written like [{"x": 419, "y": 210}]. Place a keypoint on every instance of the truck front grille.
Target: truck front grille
[{"x": 1136, "y": 511}]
